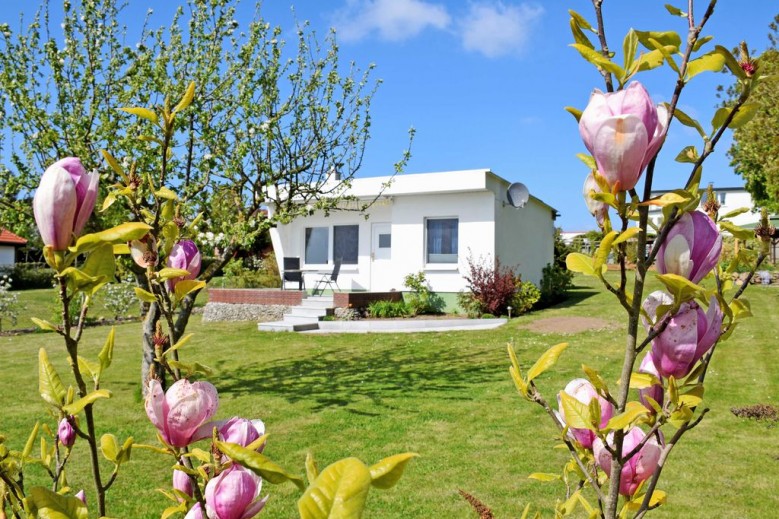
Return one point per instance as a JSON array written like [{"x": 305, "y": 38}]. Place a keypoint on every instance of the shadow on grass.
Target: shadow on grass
[
  {"x": 347, "y": 377},
  {"x": 576, "y": 296}
]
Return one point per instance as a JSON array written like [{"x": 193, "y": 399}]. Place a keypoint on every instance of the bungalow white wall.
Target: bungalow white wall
[{"x": 473, "y": 202}]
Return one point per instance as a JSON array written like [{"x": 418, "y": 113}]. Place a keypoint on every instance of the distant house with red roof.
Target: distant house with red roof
[{"x": 8, "y": 244}]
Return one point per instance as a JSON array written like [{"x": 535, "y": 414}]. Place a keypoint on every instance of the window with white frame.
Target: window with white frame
[
  {"x": 345, "y": 243},
  {"x": 441, "y": 240},
  {"x": 317, "y": 241}
]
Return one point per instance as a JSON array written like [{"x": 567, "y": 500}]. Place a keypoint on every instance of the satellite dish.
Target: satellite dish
[{"x": 518, "y": 194}]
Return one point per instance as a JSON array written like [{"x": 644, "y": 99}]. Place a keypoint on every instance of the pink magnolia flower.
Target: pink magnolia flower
[
  {"x": 597, "y": 208},
  {"x": 82, "y": 496},
  {"x": 235, "y": 430},
  {"x": 639, "y": 467},
  {"x": 692, "y": 247},
  {"x": 182, "y": 482},
  {"x": 196, "y": 512},
  {"x": 583, "y": 391},
  {"x": 689, "y": 334},
  {"x": 624, "y": 131},
  {"x": 64, "y": 202},
  {"x": 234, "y": 494},
  {"x": 66, "y": 433},
  {"x": 179, "y": 412},
  {"x": 656, "y": 391},
  {"x": 184, "y": 255}
]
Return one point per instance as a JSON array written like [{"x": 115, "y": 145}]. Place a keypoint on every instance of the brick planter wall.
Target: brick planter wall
[
  {"x": 255, "y": 296},
  {"x": 363, "y": 299}
]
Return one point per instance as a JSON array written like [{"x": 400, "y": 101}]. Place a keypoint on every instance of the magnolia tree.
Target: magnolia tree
[
  {"x": 620, "y": 437},
  {"x": 224, "y": 478}
]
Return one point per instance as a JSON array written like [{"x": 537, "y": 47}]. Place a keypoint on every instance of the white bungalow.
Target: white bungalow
[
  {"x": 430, "y": 222},
  {"x": 9, "y": 242}
]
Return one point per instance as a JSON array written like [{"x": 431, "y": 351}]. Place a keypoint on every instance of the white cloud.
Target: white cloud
[
  {"x": 495, "y": 29},
  {"x": 393, "y": 20}
]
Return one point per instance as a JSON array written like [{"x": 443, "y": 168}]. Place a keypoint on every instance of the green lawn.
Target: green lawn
[{"x": 447, "y": 396}]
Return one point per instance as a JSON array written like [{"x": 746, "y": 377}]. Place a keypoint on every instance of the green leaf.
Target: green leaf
[
  {"x": 676, "y": 197},
  {"x": 100, "y": 263},
  {"x": 588, "y": 160},
  {"x": 166, "y": 193},
  {"x": 186, "y": 99},
  {"x": 108, "y": 201},
  {"x": 578, "y": 262},
  {"x": 580, "y": 20},
  {"x": 665, "y": 51},
  {"x": 106, "y": 354},
  {"x": 643, "y": 380},
  {"x": 145, "y": 296},
  {"x": 731, "y": 62},
  {"x": 259, "y": 464},
  {"x": 633, "y": 412},
  {"x": 387, "y": 472},
  {"x": 312, "y": 471},
  {"x": 546, "y": 361},
  {"x": 109, "y": 446},
  {"x": 579, "y": 36},
  {"x": 688, "y": 121},
  {"x": 544, "y": 476},
  {"x": 181, "y": 342},
  {"x": 680, "y": 288},
  {"x": 693, "y": 397},
  {"x": 700, "y": 42},
  {"x": 737, "y": 232},
  {"x": 168, "y": 273},
  {"x": 114, "y": 164},
  {"x": 735, "y": 212},
  {"x": 49, "y": 382},
  {"x": 688, "y": 155},
  {"x": 187, "y": 286},
  {"x": 50, "y": 505},
  {"x": 595, "y": 378},
  {"x": 675, "y": 11},
  {"x": 88, "y": 368},
  {"x": 602, "y": 254},
  {"x": 709, "y": 62},
  {"x": 664, "y": 38},
  {"x": 125, "y": 232},
  {"x": 720, "y": 116},
  {"x": 144, "y": 113},
  {"x": 339, "y": 492},
  {"x": 516, "y": 372},
  {"x": 577, "y": 415},
  {"x": 629, "y": 46},
  {"x": 79, "y": 405},
  {"x": 31, "y": 440},
  {"x": 626, "y": 235},
  {"x": 599, "y": 60},
  {"x": 745, "y": 114},
  {"x": 44, "y": 325}
]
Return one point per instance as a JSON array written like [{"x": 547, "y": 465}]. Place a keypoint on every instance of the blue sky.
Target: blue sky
[{"x": 484, "y": 82}]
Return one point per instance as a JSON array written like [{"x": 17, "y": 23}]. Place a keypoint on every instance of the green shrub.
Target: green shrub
[
  {"x": 388, "y": 309},
  {"x": 27, "y": 276},
  {"x": 251, "y": 273},
  {"x": 420, "y": 299},
  {"x": 525, "y": 297},
  {"x": 555, "y": 284}
]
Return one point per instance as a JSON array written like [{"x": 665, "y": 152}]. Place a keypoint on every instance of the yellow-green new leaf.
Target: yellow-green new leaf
[
  {"x": 144, "y": 113},
  {"x": 106, "y": 354},
  {"x": 577, "y": 114},
  {"x": 581, "y": 263},
  {"x": 88, "y": 368},
  {"x": 49, "y": 382},
  {"x": 633, "y": 411},
  {"x": 109, "y": 446},
  {"x": 745, "y": 114},
  {"x": 114, "y": 164},
  {"x": 680, "y": 288},
  {"x": 599, "y": 60},
  {"x": 577, "y": 415},
  {"x": 643, "y": 380},
  {"x": 688, "y": 121},
  {"x": 31, "y": 441},
  {"x": 44, "y": 325},
  {"x": 595, "y": 378},
  {"x": 186, "y": 100},
  {"x": 79, "y": 405},
  {"x": 259, "y": 464},
  {"x": 387, "y": 472},
  {"x": 312, "y": 471},
  {"x": 145, "y": 296},
  {"x": 602, "y": 254},
  {"x": 166, "y": 193},
  {"x": 693, "y": 397},
  {"x": 711, "y": 62},
  {"x": 516, "y": 372},
  {"x": 626, "y": 235},
  {"x": 546, "y": 361},
  {"x": 737, "y": 232},
  {"x": 339, "y": 492},
  {"x": 168, "y": 273},
  {"x": 51, "y": 505},
  {"x": 187, "y": 286},
  {"x": 124, "y": 232},
  {"x": 181, "y": 342},
  {"x": 731, "y": 62}
]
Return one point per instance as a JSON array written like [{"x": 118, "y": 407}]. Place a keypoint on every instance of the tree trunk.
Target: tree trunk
[{"x": 149, "y": 368}]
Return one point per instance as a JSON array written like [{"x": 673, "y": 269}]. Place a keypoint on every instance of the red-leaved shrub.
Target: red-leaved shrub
[{"x": 492, "y": 287}]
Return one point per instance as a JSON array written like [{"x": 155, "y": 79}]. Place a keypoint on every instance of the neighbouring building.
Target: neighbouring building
[
  {"x": 431, "y": 222},
  {"x": 9, "y": 242},
  {"x": 729, "y": 198}
]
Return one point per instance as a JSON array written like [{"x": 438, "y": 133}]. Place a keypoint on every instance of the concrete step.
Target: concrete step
[
  {"x": 317, "y": 302},
  {"x": 311, "y": 312},
  {"x": 283, "y": 326},
  {"x": 299, "y": 319}
]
